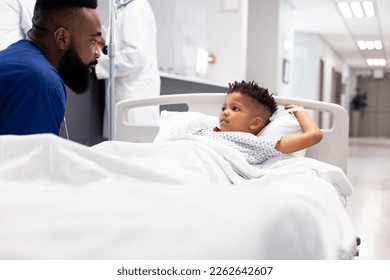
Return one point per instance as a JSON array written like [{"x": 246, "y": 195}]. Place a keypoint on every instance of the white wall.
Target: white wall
[
  {"x": 164, "y": 12},
  {"x": 227, "y": 38},
  {"x": 263, "y": 42},
  {"x": 103, "y": 10},
  {"x": 309, "y": 49},
  {"x": 269, "y": 25},
  {"x": 331, "y": 61},
  {"x": 181, "y": 30},
  {"x": 286, "y": 36},
  {"x": 306, "y": 66},
  {"x": 347, "y": 79},
  {"x": 183, "y": 26}
]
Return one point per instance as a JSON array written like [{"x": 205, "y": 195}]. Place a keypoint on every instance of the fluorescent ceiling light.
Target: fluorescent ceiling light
[
  {"x": 344, "y": 9},
  {"x": 356, "y": 9},
  {"x": 369, "y": 8},
  {"x": 376, "y": 62},
  {"x": 362, "y": 45},
  {"x": 378, "y": 45},
  {"x": 369, "y": 45}
]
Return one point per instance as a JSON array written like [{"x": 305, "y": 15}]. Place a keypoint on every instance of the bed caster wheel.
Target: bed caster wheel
[
  {"x": 357, "y": 253},
  {"x": 358, "y": 241}
]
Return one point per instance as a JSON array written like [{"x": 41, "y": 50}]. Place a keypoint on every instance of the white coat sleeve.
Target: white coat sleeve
[
  {"x": 26, "y": 15},
  {"x": 131, "y": 44}
]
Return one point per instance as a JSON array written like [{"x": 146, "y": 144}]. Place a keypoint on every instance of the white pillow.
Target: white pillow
[
  {"x": 283, "y": 123},
  {"x": 172, "y": 122}
]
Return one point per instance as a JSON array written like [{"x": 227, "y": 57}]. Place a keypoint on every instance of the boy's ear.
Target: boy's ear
[{"x": 257, "y": 123}]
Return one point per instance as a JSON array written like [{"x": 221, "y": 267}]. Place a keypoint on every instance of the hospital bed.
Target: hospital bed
[{"x": 155, "y": 195}]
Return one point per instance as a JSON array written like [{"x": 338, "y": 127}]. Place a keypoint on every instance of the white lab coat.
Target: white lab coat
[
  {"x": 137, "y": 74},
  {"x": 15, "y": 20}
]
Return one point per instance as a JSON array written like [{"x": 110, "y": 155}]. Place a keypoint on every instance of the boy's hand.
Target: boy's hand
[{"x": 291, "y": 106}]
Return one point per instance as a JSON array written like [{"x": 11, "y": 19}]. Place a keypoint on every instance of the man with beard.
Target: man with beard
[{"x": 60, "y": 48}]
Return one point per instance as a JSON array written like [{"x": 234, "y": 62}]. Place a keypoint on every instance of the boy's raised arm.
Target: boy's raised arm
[{"x": 311, "y": 133}]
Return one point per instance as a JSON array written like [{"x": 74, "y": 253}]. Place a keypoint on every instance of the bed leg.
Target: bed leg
[{"x": 358, "y": 241}]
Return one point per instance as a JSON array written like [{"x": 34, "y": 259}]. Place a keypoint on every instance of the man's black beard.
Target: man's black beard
[{"x": 74, "y": 72}]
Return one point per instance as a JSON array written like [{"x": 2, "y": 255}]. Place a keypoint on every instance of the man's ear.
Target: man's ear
[
  {"x": 257, "y": 123},
  {"x": 62, "y": 38}
]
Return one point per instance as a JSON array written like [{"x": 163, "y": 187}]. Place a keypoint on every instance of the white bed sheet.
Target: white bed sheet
[{"x": 173, "y": 200}]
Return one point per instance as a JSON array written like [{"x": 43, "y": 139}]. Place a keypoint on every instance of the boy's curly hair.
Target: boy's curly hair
[{"x": 256, "y": 93}]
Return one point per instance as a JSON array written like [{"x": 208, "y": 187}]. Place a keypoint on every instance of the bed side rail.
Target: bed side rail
[{"x": 332, "y": 149}]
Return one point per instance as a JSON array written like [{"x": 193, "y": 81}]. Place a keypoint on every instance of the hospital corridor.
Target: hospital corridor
[{"x": 368, "y": 170}]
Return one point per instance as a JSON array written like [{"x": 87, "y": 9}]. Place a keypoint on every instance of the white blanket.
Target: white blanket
[
  {"x": 173, "y": 200},
  {"x": 330, "y": 173}
]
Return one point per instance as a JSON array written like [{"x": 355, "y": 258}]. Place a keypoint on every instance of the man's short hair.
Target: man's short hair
[
  {"x": 60, "y": 4},
  {"x": 59, "y": 11}
]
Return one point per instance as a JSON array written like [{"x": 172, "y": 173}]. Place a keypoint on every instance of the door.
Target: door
[
  {"x": 336, "y": 87},
  {"x": 375, "y": 117}
]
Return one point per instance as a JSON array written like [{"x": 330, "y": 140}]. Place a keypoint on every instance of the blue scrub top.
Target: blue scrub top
[{"x": 32, "y": 93}]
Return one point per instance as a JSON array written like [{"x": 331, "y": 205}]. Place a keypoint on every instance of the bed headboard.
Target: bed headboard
[{"x": 332, "y": 149}]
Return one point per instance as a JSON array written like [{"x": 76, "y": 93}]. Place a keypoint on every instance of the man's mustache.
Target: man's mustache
[{"x": 93, "y": 63}]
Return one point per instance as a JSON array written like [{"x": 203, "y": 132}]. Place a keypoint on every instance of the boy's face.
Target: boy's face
[{"x": 238, "y": 113}]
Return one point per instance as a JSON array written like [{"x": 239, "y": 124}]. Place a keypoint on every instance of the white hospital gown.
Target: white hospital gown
[{"x": 255, "y": 149}]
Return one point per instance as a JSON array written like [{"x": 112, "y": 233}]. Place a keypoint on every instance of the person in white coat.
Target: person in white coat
[
  {"x": 15, "y": 20},
  {"x": 136, "y": 73}
]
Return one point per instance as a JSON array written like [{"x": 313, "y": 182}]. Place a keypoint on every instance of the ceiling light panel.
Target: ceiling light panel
[
  {"x": 345, "y": 9},
  {"x": 362, "y": 45},
  {"x": 376, "y": 62},
  {"x": 368, "y": 7},
  {"x": 369, "y": 45},
  {"x": 378, "y": 44},
  {"x": 357, "y": 9}
]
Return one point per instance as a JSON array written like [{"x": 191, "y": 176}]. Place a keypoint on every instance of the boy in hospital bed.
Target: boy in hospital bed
[{"x": 247, "y": 109}]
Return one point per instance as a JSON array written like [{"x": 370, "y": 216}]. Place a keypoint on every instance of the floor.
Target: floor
[{"x": 369, "y": 205}]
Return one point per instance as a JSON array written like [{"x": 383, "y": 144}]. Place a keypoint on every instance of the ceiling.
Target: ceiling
[{"x": 323, "y": 17}]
